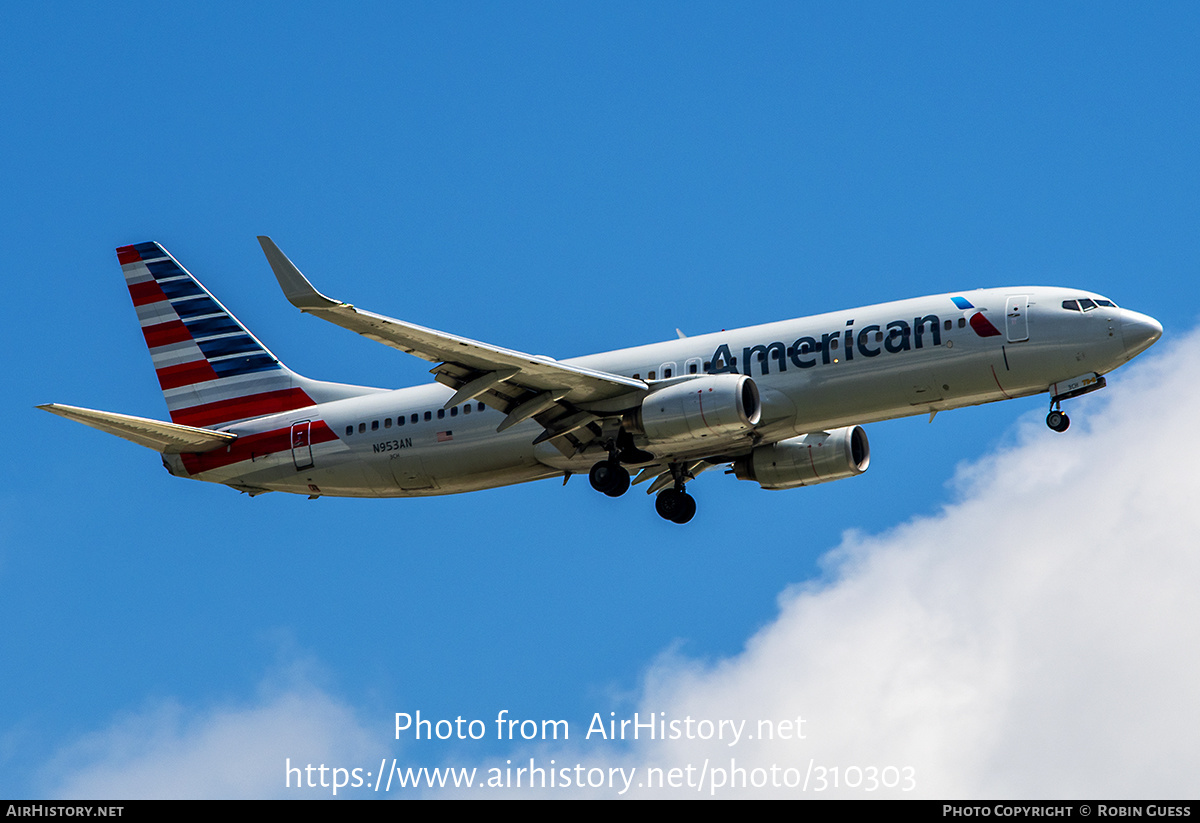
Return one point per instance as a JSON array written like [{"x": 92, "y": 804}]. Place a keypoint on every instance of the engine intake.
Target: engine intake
[
  {"x": 817, "y": 457},
  {"x": 710, "y": 408}
]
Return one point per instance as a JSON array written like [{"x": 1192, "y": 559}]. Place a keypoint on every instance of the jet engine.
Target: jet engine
[
  {"x": 817, "y": 457},
  {"x": 712, "y": 408}
]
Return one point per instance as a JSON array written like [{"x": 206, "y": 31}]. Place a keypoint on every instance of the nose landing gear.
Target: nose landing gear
[
  {"x": 1084, "y": 384},
  {"x": 1058, "y": 420}
]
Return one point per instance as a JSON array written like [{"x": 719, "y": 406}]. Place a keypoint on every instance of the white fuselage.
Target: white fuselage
[{"x": 815, "y": 373}]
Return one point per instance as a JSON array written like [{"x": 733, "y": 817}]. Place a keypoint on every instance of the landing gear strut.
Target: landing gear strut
[{"x": 675, "y": 504}]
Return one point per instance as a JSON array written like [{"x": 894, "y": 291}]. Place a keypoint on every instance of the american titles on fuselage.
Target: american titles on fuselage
[{"x": 893, "y": 337}]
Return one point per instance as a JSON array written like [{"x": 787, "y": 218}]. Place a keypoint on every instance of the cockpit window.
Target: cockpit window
[{"x": 1087, "y": 304}]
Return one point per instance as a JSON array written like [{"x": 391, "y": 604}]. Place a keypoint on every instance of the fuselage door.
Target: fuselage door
[
  {"x": 1016, "y": 319},
  {"x": 409, "y": 470},
  {"x": 302, "y": 445}
]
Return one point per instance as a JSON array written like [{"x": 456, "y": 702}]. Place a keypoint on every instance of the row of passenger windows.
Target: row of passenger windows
[
  {"x": 668, "y": 370},
  {"x": 1086, "y": 304},
  {"x": 415, "y": 418}
]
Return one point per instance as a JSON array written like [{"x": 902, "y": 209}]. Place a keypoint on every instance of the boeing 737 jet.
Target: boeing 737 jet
[{"x": 780, "y": 404}]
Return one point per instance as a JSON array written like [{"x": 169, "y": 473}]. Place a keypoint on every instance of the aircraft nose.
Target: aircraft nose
[{"x": 1139, "y": 332}]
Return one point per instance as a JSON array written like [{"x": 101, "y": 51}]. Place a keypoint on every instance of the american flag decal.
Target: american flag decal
[{"x": 445, "y": 437}]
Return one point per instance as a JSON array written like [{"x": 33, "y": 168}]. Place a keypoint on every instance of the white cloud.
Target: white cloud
[
  {"x": 230, "y": 751},
  {"x": 1037, "y": 638}
]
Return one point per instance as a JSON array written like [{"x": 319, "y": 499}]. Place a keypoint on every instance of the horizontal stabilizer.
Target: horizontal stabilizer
[{"x": 167, "y": 438}]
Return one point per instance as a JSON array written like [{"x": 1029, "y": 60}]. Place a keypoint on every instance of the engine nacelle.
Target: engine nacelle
[
  {"x": 711, "y": 408},
  {"x": 812, "y": 458}
]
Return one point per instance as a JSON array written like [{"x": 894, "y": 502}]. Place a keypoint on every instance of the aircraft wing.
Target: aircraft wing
[
  {"x": 167, "y": 438},
  {"x": 521, "y": 385}
]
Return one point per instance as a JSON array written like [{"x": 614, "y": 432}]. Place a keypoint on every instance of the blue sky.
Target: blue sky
[{"x": 559, "y": 179}]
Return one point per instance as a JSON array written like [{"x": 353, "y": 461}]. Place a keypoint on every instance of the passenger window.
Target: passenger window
[
  {"x": 400, "y": 420},
  {"x": 441, "y": 413},
  {"x": 949, "y": 325},
  {"x": 428, "y": 416},
  {"x": 362, "y": 427},
  {"x": 467, "y": 408},
  {"x": 962, "y": 322},
  {"x": 413, "y": 419},
  {"x": 387, "y": 423},
  {"x": 454, "y": 411},
  {"x": 349, "y": 430},
  {"x": 692, "y": 368},
  {"x": 479, "y": 406},
  {"x": 374, "y": 425},
  {"x": 652, "y": 377}
]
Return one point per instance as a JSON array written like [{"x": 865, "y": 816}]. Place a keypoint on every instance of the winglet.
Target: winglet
[{"x": 296, "y": 288}]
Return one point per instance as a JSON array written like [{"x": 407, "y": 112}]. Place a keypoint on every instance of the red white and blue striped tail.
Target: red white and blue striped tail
[{"x": 212, "y": 370}]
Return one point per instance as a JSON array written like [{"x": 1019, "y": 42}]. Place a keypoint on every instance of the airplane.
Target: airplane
[{"x": 780, "y": 404}]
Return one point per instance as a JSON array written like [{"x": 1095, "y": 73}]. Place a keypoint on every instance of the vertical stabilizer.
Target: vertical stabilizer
[{"x": 212, "y": 370}]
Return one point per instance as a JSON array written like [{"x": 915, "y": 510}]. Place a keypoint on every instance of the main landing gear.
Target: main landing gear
[
  {"x": 611, "y": 478},
  {"x": 675, "y": 504}
]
